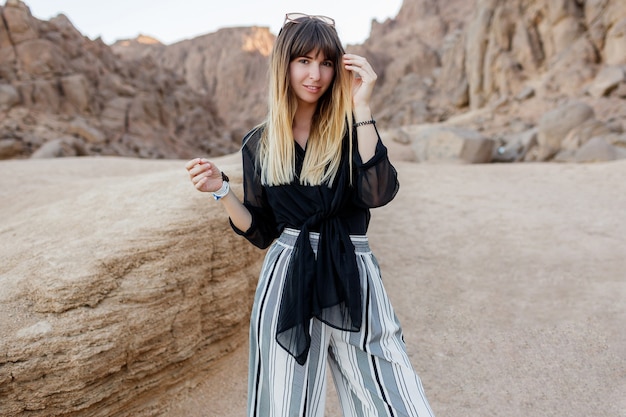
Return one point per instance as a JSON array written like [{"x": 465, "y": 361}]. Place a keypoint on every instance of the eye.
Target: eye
[
  {"x": 328, "y": 63},
  {"x": 303, "y": 60}
]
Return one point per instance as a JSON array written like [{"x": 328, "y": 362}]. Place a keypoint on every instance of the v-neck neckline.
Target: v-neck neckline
[{"x": 303, "y": 149}]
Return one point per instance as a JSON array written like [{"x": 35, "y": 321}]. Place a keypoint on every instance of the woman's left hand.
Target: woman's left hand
[{"x": 364, "y": 78}]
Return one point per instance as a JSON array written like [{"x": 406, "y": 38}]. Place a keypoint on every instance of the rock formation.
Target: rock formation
[
  {"x": 60, "y": 88},
  {"x": 228, "y": 66},
  {"x": 500, "y": 65},
  {"x": 125, "y": 285}
]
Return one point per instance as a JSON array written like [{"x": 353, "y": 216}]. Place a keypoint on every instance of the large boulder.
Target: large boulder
[
  {"x": 120, "y": 282},
  {"x": 597, "y": 150},
  {"x": 582, "y": 133},
  {"x": 608, "y": 79},
  {"x": 556, "y": 124},
  {"x": 451, "y": 144},
  {"x": 60, "y": 147}
]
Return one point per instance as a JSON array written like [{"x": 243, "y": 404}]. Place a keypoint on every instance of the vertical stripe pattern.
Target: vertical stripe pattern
[{"x": 371, "y": 369}]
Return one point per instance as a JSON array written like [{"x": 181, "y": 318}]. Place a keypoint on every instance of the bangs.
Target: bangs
[{"x": 312, "y": 35}]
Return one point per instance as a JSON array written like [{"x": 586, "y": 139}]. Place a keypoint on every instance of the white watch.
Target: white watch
[{"x": 224, "y": 189}]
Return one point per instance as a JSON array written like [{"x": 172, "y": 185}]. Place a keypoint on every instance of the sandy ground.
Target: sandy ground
[
  {"x": 510, "y": 283},
  {"x": 509, "y": 280}
]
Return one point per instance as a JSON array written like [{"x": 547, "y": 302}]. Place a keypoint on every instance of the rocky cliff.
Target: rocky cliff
[
  {"x": 119, "y": 283},
  {"x": 62, "y": 94},
  {"x": 501, "y": 65},
  {"x": 228, "y": 66},
  {"x": 497, "y": 67}
]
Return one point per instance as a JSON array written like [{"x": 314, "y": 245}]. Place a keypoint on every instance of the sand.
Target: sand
[
  {"x": 510, "y": 284},
  {"x": 509, "y": 281}
]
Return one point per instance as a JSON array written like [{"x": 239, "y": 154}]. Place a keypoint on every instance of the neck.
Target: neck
[
  {"x": 304, "y": 114},
  {"x": 302, "y": 123}
]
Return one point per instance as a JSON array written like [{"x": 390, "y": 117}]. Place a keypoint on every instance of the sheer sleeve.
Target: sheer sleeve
[
  {"x": 263, "y": 229},
  {"x": 376, "y": 180}
]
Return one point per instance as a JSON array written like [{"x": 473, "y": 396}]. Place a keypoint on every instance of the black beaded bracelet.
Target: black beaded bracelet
[{"x": 367, "y": 122}]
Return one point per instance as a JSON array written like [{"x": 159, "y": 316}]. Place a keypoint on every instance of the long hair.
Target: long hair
[{"x": 332, "y": 118}]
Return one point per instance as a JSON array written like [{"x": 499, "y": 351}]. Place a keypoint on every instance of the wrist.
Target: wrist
[
  {"x": 224, "y": 189},
  {"x": 358, "y": 123},
  {"x": 362, "y": 113}
]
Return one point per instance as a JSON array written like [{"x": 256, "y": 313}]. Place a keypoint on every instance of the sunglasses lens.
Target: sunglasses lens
[
  {"x": 299, "y": 17},
  {"x": 296, "y": 16}
]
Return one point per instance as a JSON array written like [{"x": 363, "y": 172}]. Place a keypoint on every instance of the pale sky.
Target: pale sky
[{"x": 170, "y": 21}]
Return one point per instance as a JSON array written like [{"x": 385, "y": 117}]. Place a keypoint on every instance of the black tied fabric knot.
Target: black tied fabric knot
[{"x": 326, "y": 287}]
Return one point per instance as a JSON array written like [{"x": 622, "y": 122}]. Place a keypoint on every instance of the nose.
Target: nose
[{"x": 314, "y": 72}]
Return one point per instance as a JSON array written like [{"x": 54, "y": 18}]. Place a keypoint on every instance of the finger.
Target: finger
[
  {"x": 362, "y": 67},
  {"x": 200, "y": 171},
  {"x": 362, "y": 75},
  {"x": 200, "y": 183},
  {"x": 352, "y": 56},
  {"x": 367, "y": 73},
  {"x": 359, "y": 62},
  {"x": 192, "y": 163},
  {"x": 355, "y": 69},
  {"x": 355, "y": 60},
  {"x": 200, "y": 177},
  {"x": 195, "y": 170}
]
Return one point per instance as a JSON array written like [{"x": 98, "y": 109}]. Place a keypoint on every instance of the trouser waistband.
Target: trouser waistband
[{"x": 289, "y": 236}]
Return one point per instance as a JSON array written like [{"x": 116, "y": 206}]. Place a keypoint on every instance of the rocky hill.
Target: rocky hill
[
  {"x": 229, "y": 67},
  {"x": 491, "y": 70},
  {"x": 62, "y": 94},
  {"x": 500, "y": 67}
]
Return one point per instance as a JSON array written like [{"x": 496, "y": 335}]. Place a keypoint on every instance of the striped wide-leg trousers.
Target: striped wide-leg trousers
[{"x": 371, "y": 369}]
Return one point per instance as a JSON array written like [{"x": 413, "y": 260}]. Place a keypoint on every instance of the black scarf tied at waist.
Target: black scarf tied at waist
[{"x": 326, "y": 287}]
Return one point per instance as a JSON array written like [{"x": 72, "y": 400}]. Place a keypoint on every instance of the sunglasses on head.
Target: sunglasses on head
[{"x": 301, "y": 17}]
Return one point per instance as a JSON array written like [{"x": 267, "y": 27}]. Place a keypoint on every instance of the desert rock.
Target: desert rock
[
  {"x": 50, "y": 72},
  {"x": 118, "y": 289},
  {"x": 435, "y": 61}
]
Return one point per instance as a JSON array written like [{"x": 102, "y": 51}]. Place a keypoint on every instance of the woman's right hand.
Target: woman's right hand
[{"x": 204, "y": 175}]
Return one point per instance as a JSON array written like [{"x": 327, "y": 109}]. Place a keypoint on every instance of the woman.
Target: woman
[{"x": 312, "y": 171}]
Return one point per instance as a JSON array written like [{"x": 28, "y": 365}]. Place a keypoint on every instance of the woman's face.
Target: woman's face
[{"x": 310, "y": 76}]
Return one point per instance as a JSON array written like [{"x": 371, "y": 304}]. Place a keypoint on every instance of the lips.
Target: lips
[{"x": 313, "y": 89}]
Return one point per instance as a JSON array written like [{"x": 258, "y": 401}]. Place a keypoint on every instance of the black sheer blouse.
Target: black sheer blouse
[{"x": 326, "y": 286}]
